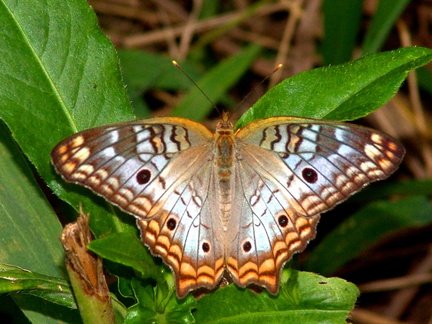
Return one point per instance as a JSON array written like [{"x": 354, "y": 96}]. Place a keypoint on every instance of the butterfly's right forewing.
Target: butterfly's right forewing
[
  {"x": 158, "y": 170},
  {"x": 124, "y": 162}
]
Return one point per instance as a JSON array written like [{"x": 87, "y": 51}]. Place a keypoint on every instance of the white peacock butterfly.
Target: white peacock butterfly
[{"x": 241, "y": 203}]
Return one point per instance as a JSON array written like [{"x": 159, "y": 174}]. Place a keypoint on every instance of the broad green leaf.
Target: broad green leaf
[
  {"x": 341, "y": 25},
  {"x": 29, "y": 229},
  {"x": 303, "y": 298},
  {"x": 364, "y": 228},
  {"x": 214, "y": 84},
  {"x": 126, "y": 249},
  {"x": 386, "y": 15},
  {"x": 341, "y": 92},
  {"x": 58, "y": 74},
  {"x": 52, "y": 289}
]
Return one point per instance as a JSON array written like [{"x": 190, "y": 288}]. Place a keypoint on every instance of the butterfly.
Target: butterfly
[{"x": 240, "y": 203}]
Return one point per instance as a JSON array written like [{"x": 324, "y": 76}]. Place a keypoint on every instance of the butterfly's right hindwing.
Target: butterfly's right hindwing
[{"x": 160, "y": 172}]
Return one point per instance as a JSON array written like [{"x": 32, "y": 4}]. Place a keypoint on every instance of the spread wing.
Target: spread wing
[
  {"x": 158, "y": 170},
  {"x": 288, "y": 171}
]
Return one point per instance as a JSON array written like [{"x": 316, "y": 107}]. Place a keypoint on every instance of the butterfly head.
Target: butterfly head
[{"x": 225, "y": 125}]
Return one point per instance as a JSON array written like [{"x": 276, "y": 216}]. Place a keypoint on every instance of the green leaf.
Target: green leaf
[
  {"x": 126, "y": 249},
  {"x": 424, "y": 76},
  {"x": 386, "y": 189},
  {"x": 303, "y": 298},
  {"x": 144, "y": 310},
  {"x": 59, "y": 74},
  {"x": 341, "y": 25},
  {"x": 159, "y": 71},
  {"x": 342, "y": 92},
  {"x": 124, "y": 287},
  {"x": 148, "y": 310},
  {"x": 142, "y": 70},
  {"x": 364, "y": 228},
  {"x": 214, "y": 84},
  {"x": 29, "y": 229},
  {"x": 52, "y": 289},
  {"x": 386, "y": 15}
]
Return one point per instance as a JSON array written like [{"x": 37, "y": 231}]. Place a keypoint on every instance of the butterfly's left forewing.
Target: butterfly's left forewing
[
  {"x": 325, "y": 162},
  {"x": 290, "y": 171}
]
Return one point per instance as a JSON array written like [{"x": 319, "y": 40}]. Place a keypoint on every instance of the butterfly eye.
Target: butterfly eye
[
  {"x": 247, "y": 246},
  {"x": 206, "y": 247},
  {"x": 283, "y": 220},
  {"x": 310, "y": 175},
  {"x": 171, "y": 224},
  {"x": 143, "y": 176}
]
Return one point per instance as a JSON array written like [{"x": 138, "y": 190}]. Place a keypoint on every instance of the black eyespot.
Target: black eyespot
[
  {"x": 143, "y": 176},
  {"x": 171, "y": 224},
  {"x": 283, "y": 220},
  {"x": 206, "y": 247},
  {"x": 310, "y": 175},
  {"x": 247, "y": 246}
]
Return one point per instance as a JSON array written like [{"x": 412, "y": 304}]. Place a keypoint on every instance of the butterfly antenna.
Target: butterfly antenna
[
  {"x": 277, "y": 68},
  {"x": 196, "y": 85}
]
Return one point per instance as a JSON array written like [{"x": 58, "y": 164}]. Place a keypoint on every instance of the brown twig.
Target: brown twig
[{"x": 295, "y": 10}]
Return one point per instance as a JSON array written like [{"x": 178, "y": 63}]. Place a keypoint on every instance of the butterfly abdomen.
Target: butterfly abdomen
[{"x": 224, "y": 155}]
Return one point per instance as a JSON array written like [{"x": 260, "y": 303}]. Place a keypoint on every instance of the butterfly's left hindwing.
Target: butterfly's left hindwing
[{"x": 265, "y": 230}]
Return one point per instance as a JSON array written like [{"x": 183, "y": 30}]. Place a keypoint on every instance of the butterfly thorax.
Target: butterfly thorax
[{"x": 224, "y": 149}]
